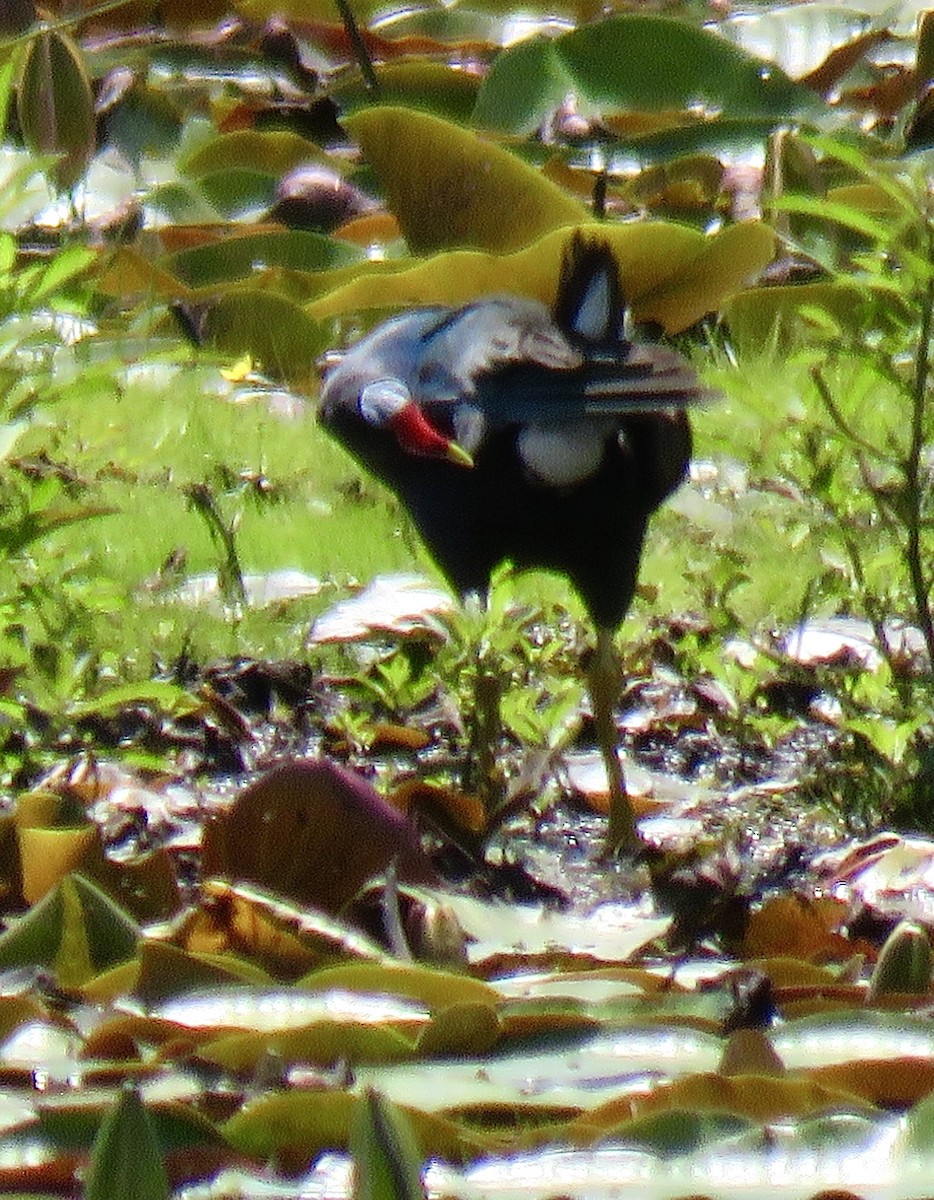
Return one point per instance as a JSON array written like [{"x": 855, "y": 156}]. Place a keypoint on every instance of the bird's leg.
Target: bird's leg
[{"x": 603, "y": 680}]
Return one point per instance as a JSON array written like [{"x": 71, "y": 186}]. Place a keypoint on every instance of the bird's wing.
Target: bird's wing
[
  {"x": 471, "y": 343},
  {"x": 642, "y": 379}
]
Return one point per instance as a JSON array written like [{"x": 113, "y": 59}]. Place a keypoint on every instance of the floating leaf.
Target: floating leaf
[
  {"x": 461, "y": 1029},
  {"x": 273, "y": 152},
  {"x": 166, "y": 972},
  {"x": 270, "y": 328},
  {"x": 449, "y": 187},
  {"x": 435, "y": 87},
  {"x": 324, "y": 1043},
  {"x": 303, "y": 1124},
  {"x": 142, "y": 120},
  {"x": 677, "y": 1132},
  {"x": 895, "y": 1083},
  {"x": 766, "y": 318},
  {"x": 759, "y": 1097},
  {"x": 268, "y": 1008},
  {"x": 130, "y": 273},
  {"x": 671, "y": 274},
  {"x": 727, "y": 263},
  {"x": 437, "y": 990},
  {"x": 633, "y": 62},
  {"x": 290, "y": 940},
  {"x": 74, "y": 1121},
  {"x": 790, "y": 925},
  {"x": 241, "y": 256}
]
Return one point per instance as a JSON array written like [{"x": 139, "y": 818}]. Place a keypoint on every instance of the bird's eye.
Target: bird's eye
[{"x": 382, "y": 400}]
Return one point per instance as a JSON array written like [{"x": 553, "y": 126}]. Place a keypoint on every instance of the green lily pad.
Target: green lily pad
[{"x": 637, "y": 63}]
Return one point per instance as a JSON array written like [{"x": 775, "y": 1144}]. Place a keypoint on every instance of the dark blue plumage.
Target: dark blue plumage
[{"x": 575, "y": 433}]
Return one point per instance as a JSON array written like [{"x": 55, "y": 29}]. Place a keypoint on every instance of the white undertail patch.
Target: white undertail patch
[{"x": 562, "y": 456}]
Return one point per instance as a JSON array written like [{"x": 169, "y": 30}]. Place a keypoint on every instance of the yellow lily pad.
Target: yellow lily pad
[
  {"x": 672, "y": 274},
  {"x": 447, "y": 186},
  {"x": 437, "y": 990}
]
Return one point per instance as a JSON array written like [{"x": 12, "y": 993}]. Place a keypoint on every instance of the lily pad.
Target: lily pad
[{"x": 449, "y": 187}]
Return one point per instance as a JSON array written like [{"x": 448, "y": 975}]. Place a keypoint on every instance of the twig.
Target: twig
[{"x": 361, "y": 54}]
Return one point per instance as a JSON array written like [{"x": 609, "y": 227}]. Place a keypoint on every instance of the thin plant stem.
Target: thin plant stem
[
  {"x": 485, "y": 732},
  {"x": 392, "y": 915},
  {"x": 876, "y": 619},
  {"x": 361, "y": 54},
  {"x": 229, "y": 573},
  {"x": 599, "y": 194},
  {"x": 837, "y": 417},
  {"x": 914, "y": 485}
]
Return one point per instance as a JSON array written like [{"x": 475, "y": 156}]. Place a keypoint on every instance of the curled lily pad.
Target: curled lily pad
[
  {"x": 315, "y": 831},
  {"x": 449, "y": 187},
  {"x": 672, "y": 274}
]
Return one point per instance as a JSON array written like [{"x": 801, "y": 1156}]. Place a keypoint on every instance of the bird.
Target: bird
[{"x": 545, "y": 437}]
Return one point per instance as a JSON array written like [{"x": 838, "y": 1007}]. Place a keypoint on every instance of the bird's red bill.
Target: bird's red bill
[{"x": 416, "y": 435}]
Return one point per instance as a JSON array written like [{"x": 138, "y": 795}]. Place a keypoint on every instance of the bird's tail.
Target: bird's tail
[{"x": 589, "y": 306}]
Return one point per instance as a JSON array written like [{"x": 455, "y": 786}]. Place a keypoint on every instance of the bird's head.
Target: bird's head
[{"x": 388, "y": 404}]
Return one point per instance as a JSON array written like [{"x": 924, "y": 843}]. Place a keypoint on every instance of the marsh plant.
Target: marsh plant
[{"x": 862, "y": 454}]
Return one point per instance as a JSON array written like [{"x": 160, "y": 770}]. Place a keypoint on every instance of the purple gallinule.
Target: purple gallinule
[{"x": 513, "y": 432}]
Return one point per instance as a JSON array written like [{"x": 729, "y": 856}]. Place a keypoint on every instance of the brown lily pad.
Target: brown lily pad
[{"x": 315, "y": 831}]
